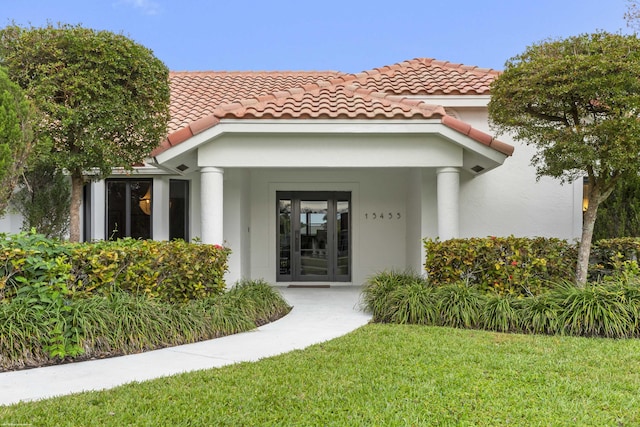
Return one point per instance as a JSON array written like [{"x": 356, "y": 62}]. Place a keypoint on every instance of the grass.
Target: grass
[{"x": 382, "y": 375}]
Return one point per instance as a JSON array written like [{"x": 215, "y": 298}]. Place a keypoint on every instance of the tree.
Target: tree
[
  {"x": 105, "y": 98},
  {"x": 44, "y": 200},
  {"x": 577, "y": 101},
  {"x": 16, "y": 137}
]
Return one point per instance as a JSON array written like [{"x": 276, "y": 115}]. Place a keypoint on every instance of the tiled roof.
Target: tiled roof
[
  {"x": 425, "y": 76},
  {"x": 200, "y": 99},
  {"x": 196, "y": 94}
]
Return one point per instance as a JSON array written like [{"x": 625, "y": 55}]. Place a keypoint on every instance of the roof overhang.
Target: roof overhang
[{"x": 431, "y": 134}]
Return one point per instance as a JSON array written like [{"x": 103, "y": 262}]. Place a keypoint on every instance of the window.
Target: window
[
  {"x": 129, "y": 208},
  {"x": 178, "y": 209}
]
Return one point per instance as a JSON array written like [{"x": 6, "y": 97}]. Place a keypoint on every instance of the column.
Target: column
[
  {"x": 448, "y": 202},
  {"x": 211, "y": 205}
]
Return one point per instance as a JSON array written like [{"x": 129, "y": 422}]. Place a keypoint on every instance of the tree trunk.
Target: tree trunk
[
  {"x": 597, "y": 195},
  {"x": 584, "y": 249},
  {"x": 77, "y": 182}
]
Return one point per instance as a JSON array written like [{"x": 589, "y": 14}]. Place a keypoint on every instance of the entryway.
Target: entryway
[{"x": 314, "y": 236}]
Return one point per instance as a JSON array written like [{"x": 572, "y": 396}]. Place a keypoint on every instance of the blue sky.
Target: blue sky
[{"x": 345, "y": 35}]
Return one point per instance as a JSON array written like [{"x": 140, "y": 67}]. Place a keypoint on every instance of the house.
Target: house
[{"x": 328, "y": 177}]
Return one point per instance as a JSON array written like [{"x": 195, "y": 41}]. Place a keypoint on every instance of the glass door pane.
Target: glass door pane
[
  {"x": 342, "y": 238},
  {"x": 313, "y": 238},
  {"x": 284, "y": 238}
]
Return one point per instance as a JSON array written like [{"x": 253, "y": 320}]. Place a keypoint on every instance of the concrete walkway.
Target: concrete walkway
[{"x": 318, "y": 315}]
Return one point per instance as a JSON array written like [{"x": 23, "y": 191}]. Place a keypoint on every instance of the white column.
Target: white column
[
  {"x": 211, "y": 205},
  {"x": 448, "y": 202}
]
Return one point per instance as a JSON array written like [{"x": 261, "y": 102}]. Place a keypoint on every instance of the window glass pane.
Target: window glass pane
[
  {"x": 116, "y": 209},
  {"x": 141, "y": 194},
  {"x": 129, "y": 205},
  {"x": 314, "y": 259},
  {"x": 178, "y": 209},
  {"x": 284, "y": 238}
]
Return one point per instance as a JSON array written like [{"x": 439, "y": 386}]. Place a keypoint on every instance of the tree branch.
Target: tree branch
[{"x": 530, "y": 110}]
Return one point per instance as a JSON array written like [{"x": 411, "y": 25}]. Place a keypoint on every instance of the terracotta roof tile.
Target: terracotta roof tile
[
  {"x": 331, "y": 101},
  {"x": 200, "y": 99},
  {"x": 425, "y": 76},
  {"x": 196, "y": 94}
]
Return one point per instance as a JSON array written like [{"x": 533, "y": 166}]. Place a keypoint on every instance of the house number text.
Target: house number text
[{"x": 383, "y": 215}]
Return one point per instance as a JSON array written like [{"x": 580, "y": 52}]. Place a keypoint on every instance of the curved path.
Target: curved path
[{"x": 318, "y": 315}]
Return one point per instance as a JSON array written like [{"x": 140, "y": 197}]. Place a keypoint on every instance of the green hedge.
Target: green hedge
[
  {"x": 505, "y": 265},
  {"x": 171, "y": 271},
  {"x": 611, "y": 257}
]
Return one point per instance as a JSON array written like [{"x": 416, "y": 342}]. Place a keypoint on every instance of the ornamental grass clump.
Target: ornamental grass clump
[
  {"x": 33, "y": 333},
  {"x": 500, "y": 313},
  {"x": 259, "y": 300},
  {"x": 378, "y": 293},
  {"x": 597, "y": 310},
  {"x": 539, "y": 314},
  {"x": 460, "y": 305},
  {"x": 414, "y": 303},
  {"x": 608, "y": 309}
]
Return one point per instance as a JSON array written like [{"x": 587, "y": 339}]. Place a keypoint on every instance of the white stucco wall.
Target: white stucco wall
[
  {"x": 10, "y": 223},
  {"x": 509, "y": 200}
]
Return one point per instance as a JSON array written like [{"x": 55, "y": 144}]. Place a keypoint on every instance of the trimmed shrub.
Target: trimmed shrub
[
  {"x": 32, "y": 259},
  {"x": 502, "y": 265},
  {"x": 174, "y": 271},
  {"x": 612, "y": 258}
]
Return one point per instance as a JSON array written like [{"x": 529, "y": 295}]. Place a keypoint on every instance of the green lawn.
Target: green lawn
[{"x": 382, "y": 375}]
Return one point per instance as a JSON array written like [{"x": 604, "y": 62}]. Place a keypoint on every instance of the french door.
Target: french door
[{"x": 314, "y": 236}]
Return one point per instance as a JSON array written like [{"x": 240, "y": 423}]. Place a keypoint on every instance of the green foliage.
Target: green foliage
[
  {"x": 459, "y": 305},
  {"x": 539, "y": 315},
  {"x": 610, "y": 309},
  {"x": 414, "y": 303},
  {"x": 377, "y": 292},
  {"x": 619, "y": 215},
  {"x": 615, "y": 258},
  {"x": 29, "y": 259},
  {"x": 174, "y": 271},
  {"x": 258, "y": 300},
  {"x": 595, "y": 310},
  {"x": 575, "y": 100},
  {"x": 500, "y": 313},
  {"x": 44, "y": 201},
  {"x": 41, "y": 326},
  {"x": 104, "y": 98},
  {"x": 504, "y": 265},
  {"x": 16, "y": 137},
  {"x": 572, "y": 99}
]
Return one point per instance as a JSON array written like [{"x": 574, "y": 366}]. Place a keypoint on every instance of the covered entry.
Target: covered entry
[{"x": 314, "y": 236}]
